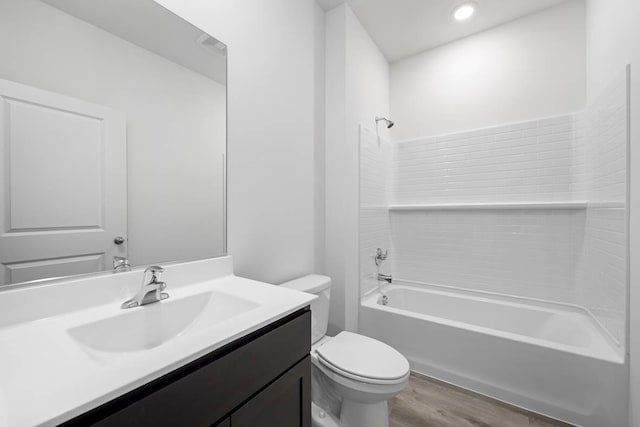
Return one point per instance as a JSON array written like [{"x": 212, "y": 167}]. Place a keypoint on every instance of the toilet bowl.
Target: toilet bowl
[
  {"x": 353, "y": 375},
  {"x": 364, "y": 373}
]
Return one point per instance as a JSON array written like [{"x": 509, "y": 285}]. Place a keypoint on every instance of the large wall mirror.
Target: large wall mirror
[{"x": 112, "y": 138}]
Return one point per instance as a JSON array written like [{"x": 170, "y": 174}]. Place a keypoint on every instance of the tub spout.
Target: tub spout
[{"x": 385, "y": 278}]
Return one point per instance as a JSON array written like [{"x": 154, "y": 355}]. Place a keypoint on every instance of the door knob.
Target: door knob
[{"x": 118, "y": 240}]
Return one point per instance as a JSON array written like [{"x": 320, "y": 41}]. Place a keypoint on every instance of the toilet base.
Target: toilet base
[
  {"x": 321, "y": 418},
  {"x": 353, "y": 414},
  {"x": 356, "y": 414}
]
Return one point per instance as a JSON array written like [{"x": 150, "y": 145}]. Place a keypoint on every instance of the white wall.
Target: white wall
[
  {"x": 529, "y": 68},
  {"x": 357, "y": 91},
  {"x": 319, "y": 142},
  {"x": 174, "y": 166},
  {"x": 634, "y": 226},
  {"x": 611, "y": 33},
  {"x": 339, "y": 162},
  {"x": 272, "y": 66},
  {"x": 613, "y": 40},
  {"x": 634, "y": 229}
]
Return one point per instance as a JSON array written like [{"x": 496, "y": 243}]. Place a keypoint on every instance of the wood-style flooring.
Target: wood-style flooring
[{"x": 427, "y": 402}]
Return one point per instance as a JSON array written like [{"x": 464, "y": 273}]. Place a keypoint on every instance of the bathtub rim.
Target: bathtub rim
[{"x": 617, "y": 355}]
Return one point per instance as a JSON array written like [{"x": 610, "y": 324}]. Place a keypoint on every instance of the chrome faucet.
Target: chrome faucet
[
  {"x": 385, "y": 278},
  {"x": 120, "y": 264},
  {"x": 151, "y": 291}
]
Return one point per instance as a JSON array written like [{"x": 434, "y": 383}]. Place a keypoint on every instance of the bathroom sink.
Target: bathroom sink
[
  {"x": 152, "y": 325},
  {"x": 74, "y": 344}
]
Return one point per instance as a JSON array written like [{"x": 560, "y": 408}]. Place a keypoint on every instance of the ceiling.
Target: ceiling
[
  {"x": 152, "y": 27},
  {"x": 402, "y": 28}
]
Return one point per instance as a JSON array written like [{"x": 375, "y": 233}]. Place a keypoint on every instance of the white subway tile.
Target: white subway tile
[{"x": 572, "y": 256}]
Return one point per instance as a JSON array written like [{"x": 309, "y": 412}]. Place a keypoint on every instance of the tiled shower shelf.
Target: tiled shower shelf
[{"x": 491, "y": 206}]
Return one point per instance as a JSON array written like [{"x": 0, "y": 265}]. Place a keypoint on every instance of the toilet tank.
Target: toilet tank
[{"x": 320, "y": 286}]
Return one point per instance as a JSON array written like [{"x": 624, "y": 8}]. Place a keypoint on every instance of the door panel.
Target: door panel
[
  {"x": 48, "y": 150},
  {"x": 62, "y": 186},
  {"x": 34, "y": 270}
]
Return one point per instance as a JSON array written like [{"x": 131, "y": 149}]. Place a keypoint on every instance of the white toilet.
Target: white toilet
[{"x": 353, "y": 375}]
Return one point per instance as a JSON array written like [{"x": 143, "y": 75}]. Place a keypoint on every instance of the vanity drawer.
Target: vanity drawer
[
  {"x": 210, "y": 388},
  {"x": 283, "y": 403}
]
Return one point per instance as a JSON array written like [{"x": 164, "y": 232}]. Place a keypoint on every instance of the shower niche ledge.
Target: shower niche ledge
[{"x": 580, "y": 204}]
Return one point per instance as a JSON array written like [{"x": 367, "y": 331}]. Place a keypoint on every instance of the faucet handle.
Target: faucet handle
[
  {"x": 155, "y": 271},
  {"x": 380, "y": 256}
]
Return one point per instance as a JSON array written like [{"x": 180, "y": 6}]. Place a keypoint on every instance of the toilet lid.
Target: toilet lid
[{"x": 363, "y": 357}]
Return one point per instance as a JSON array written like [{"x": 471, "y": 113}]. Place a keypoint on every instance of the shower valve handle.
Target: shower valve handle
[{"x": 380, "y": 256}]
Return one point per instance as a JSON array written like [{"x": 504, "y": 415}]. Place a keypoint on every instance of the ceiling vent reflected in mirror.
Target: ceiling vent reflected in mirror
[{"x": 212, "y": 45}]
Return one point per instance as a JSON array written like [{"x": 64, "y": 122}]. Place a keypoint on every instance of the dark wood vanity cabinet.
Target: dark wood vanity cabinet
[
  {"x": 284, "y": 403},
  {"x": 262, "y": 379}
]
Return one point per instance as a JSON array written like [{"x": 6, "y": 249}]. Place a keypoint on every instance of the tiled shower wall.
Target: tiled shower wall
[
  {"x": 601, "y": 277},
  {"x": 574, "y": 254},
  {"x": 515, "y": 252},
  {"x": 522, "y": 162},
  {"x": 512, "y": 251},
  {"x": 375, "y": 171}
]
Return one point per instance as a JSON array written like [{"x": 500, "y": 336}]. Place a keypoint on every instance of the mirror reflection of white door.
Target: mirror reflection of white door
[{"x": 63, "y": 188}]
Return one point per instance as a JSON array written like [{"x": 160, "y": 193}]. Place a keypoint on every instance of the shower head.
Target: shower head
[{"x": 387, "y": 121}]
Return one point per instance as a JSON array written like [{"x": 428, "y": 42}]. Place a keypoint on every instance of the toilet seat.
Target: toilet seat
[{"x": 363, "y": 359}]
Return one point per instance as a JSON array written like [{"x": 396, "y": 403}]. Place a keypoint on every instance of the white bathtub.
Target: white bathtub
[{"x": 549, "y": 358}]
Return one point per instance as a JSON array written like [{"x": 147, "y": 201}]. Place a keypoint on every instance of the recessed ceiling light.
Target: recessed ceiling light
[{"x": 464, "y": 11}]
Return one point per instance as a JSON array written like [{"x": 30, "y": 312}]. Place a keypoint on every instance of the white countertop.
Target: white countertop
[{"x": 47, "y": 377}]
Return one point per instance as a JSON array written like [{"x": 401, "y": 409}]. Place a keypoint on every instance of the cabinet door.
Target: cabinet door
[{"x": 284, "y": 403}]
